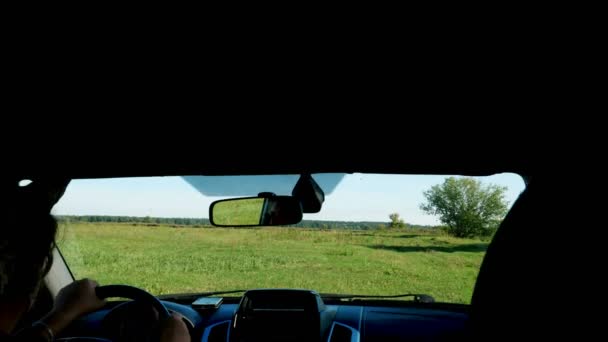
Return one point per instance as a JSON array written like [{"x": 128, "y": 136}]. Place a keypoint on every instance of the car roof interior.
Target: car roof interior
[{"x": 174, "y": 160}]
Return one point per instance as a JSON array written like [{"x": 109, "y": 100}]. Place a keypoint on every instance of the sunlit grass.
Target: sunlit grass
[{"x": 166, "y": 260}]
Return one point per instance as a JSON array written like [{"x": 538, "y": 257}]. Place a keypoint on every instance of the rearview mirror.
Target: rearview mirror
[{"x": 255, "y": 211}]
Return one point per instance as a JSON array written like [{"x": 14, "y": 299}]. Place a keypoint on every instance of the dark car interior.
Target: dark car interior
[{"x": 511, "y": 299}]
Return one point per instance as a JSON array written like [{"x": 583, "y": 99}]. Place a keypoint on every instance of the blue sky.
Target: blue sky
[{"x": 357, "y": 197}]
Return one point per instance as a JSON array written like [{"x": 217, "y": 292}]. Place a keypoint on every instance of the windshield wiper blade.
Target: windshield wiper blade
[
  {"x": 199, "y": 294},
  {"x": 205, "y": 294},
  {"x": 418, "y": 297}
]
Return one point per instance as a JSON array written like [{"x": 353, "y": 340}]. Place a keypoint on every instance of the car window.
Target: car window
[{"x": 375, "y": 235}]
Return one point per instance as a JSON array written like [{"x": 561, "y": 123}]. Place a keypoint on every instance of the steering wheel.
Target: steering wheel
[
  {"x": 124, "y": 291},
  {"x": 139, "y": 295}
]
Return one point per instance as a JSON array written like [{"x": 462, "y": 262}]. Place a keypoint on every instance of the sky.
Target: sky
[{"x": 357, "y": 197}]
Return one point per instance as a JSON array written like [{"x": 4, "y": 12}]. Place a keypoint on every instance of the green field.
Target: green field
[{"x": 166, "y": 260}]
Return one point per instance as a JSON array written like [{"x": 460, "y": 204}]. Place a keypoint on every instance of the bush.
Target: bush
[{"x": 466, "y": 207}]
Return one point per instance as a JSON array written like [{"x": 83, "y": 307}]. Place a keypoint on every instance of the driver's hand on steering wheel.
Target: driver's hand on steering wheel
[
  {"x": 78, "y": 298},
  {"x": 73, "y": 301},
  {"x": 174, "y": 329}
]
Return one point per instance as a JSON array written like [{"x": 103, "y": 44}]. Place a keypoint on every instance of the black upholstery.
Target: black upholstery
[{"x": 522, "y": 289}]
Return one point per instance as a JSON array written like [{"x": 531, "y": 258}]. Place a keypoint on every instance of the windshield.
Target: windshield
[{"x": 375, "y": 234}]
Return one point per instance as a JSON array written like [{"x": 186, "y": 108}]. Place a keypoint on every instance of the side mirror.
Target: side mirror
[{"x": 255, "y": 211}]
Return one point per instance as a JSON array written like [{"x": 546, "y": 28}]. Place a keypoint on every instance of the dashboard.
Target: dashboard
[{"x": 297, "y": 315}]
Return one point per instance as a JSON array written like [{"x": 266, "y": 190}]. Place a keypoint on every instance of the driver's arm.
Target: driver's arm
[
  {"x": 174, "y": 330},
  {"x": 72, "y": 301},
  {"x": 80, "y": 298}
]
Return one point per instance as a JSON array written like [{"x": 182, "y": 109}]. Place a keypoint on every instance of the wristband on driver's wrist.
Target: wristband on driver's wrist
[{"x": 48, "y": 332}]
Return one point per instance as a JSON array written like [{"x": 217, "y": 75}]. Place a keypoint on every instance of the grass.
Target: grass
[
  {"x": 166, "y": 260},
  {"x": 246, "y": 211}
]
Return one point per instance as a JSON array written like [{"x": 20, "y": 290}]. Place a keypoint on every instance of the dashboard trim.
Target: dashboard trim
[
  {"x": 208, "y": 329},
  {"x": 355, "y": 337}
]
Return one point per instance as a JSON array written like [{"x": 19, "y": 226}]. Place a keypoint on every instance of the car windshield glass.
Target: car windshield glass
[{"x": 375, "y": 234}]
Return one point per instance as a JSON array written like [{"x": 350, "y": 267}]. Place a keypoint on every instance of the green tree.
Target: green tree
[
  {"x": 396, "y": 221},
  {"x": 466, "y": 207}
]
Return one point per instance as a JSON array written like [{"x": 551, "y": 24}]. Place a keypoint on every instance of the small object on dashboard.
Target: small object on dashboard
[{"x": 207, "y": 303}]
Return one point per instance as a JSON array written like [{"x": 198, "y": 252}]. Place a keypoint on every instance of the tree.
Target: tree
[
  {"x": 466, "y": 206},
  {"x": 396, "y": 222}
]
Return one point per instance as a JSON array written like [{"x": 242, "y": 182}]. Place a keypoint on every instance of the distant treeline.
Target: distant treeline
[
  {"x": 204, "y": 223},
  {"x": 349, "y": 225},
  {"x": 171, "y": 221}
]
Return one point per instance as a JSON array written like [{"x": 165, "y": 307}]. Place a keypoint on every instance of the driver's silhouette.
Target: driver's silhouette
[{"x": 27, "y": 240}]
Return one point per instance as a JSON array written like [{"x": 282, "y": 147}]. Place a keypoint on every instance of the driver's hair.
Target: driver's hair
[{"x": 27, "y": 239}]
